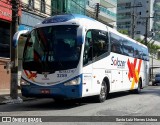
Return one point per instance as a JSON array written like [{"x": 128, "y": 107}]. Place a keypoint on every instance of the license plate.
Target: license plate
[{"x": 45, "y": 91}]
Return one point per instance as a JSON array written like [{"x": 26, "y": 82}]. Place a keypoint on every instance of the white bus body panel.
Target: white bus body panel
[{"x": 117, "y": 73}]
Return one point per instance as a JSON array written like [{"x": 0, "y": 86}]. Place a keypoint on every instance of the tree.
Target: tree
[{"x": 124, "y": 32}]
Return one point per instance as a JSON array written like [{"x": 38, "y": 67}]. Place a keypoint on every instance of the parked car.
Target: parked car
[{"x": 156, "y": 80}]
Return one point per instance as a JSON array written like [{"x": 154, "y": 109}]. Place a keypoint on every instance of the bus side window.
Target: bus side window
[
  {"x": 100, "y": 42},
  {"x": 87, "y": 56},
  {"x": 116, "y": 41},
  {"x": 128, "y": 48},
  {"x": 113, "y": 48},
  {"x": 116, "y": 48},
  {"x": 136, "y": 53}
]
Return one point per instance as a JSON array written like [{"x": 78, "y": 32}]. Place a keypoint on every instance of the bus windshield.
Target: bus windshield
[{"x": 52, "y": 48}]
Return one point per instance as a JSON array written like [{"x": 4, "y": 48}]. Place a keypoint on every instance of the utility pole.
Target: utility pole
[
  {"x": 14, "y": 56},
  {"x": 97, "y": 9},
  {"x": 133, "y": 24},
  {"x": 146, "y": 29}
]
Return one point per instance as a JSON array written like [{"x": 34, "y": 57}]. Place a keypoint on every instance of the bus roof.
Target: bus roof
[
  {"x": 71, "y": 19},
  {"x": 77, "y": 19}
]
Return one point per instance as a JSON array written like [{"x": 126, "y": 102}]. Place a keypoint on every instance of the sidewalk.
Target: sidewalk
[{"x": 5, "y": 97}]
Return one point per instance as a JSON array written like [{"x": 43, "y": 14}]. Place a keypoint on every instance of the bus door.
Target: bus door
[
  {"x": 100, "y": 54},
  {"x": 87, "y": 65}
]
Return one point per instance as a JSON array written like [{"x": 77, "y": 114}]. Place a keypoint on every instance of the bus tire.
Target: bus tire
[
  {"x": 103, "y": 92},
  {"x": 138, "y": 90}
]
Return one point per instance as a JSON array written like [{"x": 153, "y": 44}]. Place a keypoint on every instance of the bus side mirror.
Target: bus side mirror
[{"x": 16, "y": 37}]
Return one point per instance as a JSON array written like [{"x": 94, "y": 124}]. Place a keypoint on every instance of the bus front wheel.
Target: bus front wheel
[{"x": 103, "y": 92}]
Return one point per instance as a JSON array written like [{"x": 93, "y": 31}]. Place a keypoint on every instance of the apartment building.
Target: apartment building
[
  {"x": 156, "y": 19},
  {"x": 133, "y": 15}
]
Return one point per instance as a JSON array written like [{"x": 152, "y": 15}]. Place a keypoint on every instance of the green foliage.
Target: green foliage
[{"x": 123, "y": 32}]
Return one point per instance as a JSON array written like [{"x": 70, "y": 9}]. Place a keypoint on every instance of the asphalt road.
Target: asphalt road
[{"x": 118, "y": 104}]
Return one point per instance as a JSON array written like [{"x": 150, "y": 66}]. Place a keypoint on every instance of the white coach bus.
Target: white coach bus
[{"x": 74, "y": 56}]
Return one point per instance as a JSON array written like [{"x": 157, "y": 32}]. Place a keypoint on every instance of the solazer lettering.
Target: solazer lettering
[{"x": 117, "y": 62}]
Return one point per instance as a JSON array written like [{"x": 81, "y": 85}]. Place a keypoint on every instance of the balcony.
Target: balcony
[
  {"x": 104, "y": 15},
  {"x": 104, "y": 3},
  {"x": 107, "y": 15},
  {"x": 108, "y": 3}
]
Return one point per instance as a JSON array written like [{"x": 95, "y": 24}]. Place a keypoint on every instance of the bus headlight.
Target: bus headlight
[
  {"x": 24, "y": 82},
  {"x": 73, "y": 82}
]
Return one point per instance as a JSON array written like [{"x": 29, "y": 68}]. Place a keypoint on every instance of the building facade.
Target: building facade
[
  {"x": 5, "y": 41},
  {"x": 156, "y": 20},
  {"x": 68, "y": 6},
  {"x": 33, "y": 12},
  {"x": 132, "y": 16},
  {"x": 107, "y": 11}
]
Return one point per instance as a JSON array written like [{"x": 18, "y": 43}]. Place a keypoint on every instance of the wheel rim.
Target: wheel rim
[{"x": 103, "y": 91}]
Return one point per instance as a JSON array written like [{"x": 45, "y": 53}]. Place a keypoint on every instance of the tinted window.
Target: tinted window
[
  {"x": 116, "y": 43},
  {"x": 128, "y": 48},
  {"x": 145, "y": 54},
  {"x": 140, "y": 52},
  {"x": 96, "y": 45},
  {"x": 87, "y": 56},
  {"x": 51, "y": 49},
  {"x": 100, "y": 42}
]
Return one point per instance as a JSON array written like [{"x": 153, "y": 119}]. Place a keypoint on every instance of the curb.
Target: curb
[{"x": 6, "y": 99}]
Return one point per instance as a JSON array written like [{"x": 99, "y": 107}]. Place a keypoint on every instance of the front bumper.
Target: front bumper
[{"x": 68, "y": 92}]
